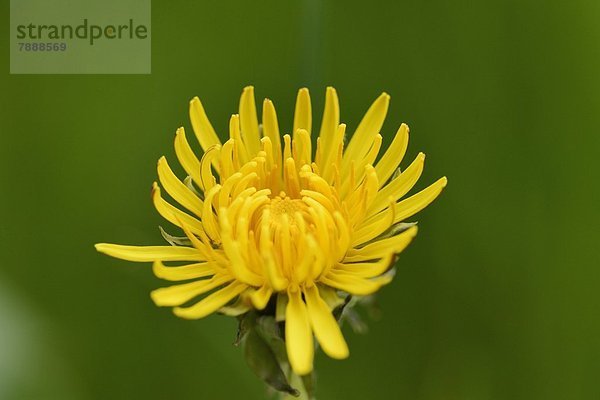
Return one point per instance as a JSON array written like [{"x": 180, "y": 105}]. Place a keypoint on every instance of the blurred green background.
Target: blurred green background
[{"x": 498, "y": 298}]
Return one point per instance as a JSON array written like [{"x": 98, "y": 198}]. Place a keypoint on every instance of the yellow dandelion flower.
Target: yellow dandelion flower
[{"x": 284, "y": 218}]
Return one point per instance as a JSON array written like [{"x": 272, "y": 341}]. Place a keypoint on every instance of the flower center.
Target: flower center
[
  {"x": 284, "y": 208},
  {"x": 277, "y": 218},
  {"x": 284, "y": 230}
]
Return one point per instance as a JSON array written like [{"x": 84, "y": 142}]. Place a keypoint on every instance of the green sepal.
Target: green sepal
[
  {"x": 355, "y": 321},
  {"x": 396, "y": 229},
  {"x": 190, "y": 185},
  {"x": 259, "y": 354},
  {"x": 175, "y": 240},
  {"x": 270, "y": 331},
  {"x": 339, "y": 310},
  {"x": 238, "y": 308}
]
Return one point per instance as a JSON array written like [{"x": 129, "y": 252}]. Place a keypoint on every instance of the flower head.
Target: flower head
[{"x": 284, "y": 220}]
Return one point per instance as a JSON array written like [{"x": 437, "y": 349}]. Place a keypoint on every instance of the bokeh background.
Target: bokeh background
[{"x": 498, "y": 298}]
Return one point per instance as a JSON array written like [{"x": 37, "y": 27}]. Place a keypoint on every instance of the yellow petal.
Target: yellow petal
[
  {"x": 350, "y": 283},
  {"x": 369, "y": 127},
  {"x": 324, "y": 325},
  {"x": 177, "y": 189},
  {"x": 302, "y": 147},
  {"x": 249, "y": 121},
  {"x": 360, "y": 167},
  {"x": 239, "y": 307},
  {"x": 240, "y": 149},
  {"x": 172, "y": 213},
  {"x": 179, "y": 294},
  {"x": 366, "y": 269},
  {"x": 239, "y": 266},
  {"x": 211, "y": 226},
  {"x": 331, "y": 118},
  {"x": 386, "y": 278},
  {"x": 414, "y": 204},
  {"x": 261, "y": 297},
  {"x": 372, "y": 226},
  {"x": 393, "y": 156},
  {"x": 371, "y": 230},
  {"x": 399, "y": 186},
  {"x": 202, "y": 128},
  {"x": 186, "y": 157},
  {"x": 271, "y": 130},
  {"x": 331, "y": 297},
  {"x": 298, "y": 336},
  {"x": 209, "y": 158},
  {"x": 273, "y": 273},
  {"x": 226, "y": 189},
  {"x": 150, "y": 253},
  {"x": 210, "y": 303},
  {"x": 303, "y": 113},
  {"x": 329, "y": 153},
  {"x": 359, "y": 200},
  {"x": 226, "y": 160},
  {"x": 183, "y": 272},
  {"x": 382, "y": 248}
]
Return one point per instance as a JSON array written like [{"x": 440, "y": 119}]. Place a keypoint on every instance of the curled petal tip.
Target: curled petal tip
[
  {"x": 156, "y": 268},
  {"x": 155, "y": 189},
  {"x": 155, "y": 298}
]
